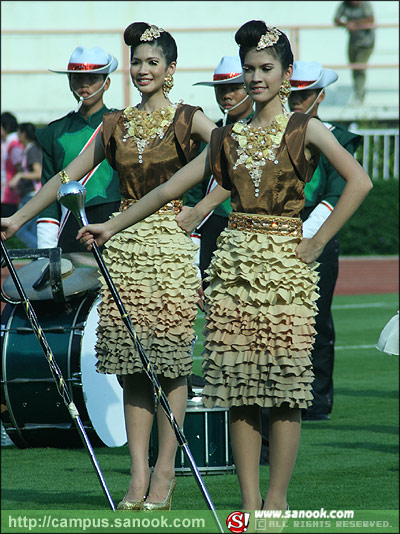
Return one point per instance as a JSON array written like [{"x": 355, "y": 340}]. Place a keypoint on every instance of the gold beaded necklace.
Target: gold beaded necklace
[
  {"x": 256, "y": 145},
  {"x": 143, "y": 126}
]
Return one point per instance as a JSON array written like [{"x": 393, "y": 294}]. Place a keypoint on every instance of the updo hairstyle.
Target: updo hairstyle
[
  {"x": 249, "y": 35},
  {"x": 166, "y": 42}
]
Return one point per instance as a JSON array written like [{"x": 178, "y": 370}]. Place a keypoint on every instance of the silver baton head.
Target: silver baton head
[{"x": 72, "y": 196}]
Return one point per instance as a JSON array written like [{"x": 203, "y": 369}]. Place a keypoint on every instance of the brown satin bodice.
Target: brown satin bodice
[
  {"x": 281, "y": 185},
  {"x": 161, "y": 157}
]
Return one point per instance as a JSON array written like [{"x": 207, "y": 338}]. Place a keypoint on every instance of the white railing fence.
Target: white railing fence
[{"x": 378, "y": 152}]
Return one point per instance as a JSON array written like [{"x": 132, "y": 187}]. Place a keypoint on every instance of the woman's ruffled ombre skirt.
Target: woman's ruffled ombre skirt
[
  {"x": 152, "y": 266},
  {"x": 261, "y": 304}
]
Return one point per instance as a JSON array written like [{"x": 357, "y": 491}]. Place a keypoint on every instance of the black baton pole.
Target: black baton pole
[
  {"x": 55, "y": 370},
  {"x": 72, "y": 195}
]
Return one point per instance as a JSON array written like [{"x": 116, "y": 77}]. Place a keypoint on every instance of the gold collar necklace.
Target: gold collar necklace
[
  {"x": 143, "y": 126},
  {"x": 258, "y": 144}
]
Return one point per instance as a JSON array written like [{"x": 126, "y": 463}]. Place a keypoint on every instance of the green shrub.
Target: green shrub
[
  {"x": 14, "y": 242},
  {"x": 374, "y": 228}
]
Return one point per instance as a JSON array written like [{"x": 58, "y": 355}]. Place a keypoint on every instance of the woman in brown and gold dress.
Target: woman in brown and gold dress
[
  {"x": 262, "y": 281},
  {"x": 151, "y": 265}
]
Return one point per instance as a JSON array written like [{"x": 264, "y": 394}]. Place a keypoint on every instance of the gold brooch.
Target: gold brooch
[
  {"x": 151, "y": 33},
  {"x": 269, "y": 38}
]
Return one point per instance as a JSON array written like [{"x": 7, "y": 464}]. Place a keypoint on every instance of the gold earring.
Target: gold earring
[
  {"x": 168, "y": 85},
  {"x": 284, "y": 91}
]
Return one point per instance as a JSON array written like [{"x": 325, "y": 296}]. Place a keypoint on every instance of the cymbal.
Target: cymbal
[{"x": 78, "y": 275}]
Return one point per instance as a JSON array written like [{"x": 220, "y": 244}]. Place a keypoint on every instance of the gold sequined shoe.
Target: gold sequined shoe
[
  {"x": 166, "y": 503},
  {"x": 131, "y": 505}
]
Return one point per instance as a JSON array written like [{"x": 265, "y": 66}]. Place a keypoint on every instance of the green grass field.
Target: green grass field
[{"x": 348, "y": 462}]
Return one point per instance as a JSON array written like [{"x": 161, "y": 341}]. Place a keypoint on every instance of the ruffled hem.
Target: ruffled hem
[
  {"x": 261, "y": 307},
  {"x": 152, "y": 267}
]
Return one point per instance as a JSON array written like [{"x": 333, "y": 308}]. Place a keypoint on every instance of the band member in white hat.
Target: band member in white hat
[
  {"x": 231, "y": 97},
  {"x": 308, "y": 84},
  {"x": 236, "y": 105},
  {"x": 88, "y": 71}
]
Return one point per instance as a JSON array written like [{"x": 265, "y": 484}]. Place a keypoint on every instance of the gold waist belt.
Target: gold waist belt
[
  {"x": 174, "y": 206},
  {"x": 265, "y": 224}
]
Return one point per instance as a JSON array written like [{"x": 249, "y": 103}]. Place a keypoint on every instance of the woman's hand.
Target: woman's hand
[
  {"x": 93, "y": 232},
  {"x": 8, "y": 228},
  {"x": 187, "y": 219},
  {"x": 308, "y": 250}
]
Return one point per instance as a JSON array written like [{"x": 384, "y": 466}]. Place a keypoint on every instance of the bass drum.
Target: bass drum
[
  {"x": 207, "y": 434},
  {"x": 32, "y": 411}
]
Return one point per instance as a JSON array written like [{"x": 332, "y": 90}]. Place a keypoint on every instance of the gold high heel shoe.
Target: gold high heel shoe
[
  {"x": 131, "y": 505},
  {"x": 166, "y": 503}
]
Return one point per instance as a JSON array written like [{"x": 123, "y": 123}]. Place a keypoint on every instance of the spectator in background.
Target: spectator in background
[
  {"x": 27, "y": 180},
  {"x": 358, "y": 18},
  {"x": 62, "y": 140},
  {"x": 236, "y": 105},
  {"x": 3, "y": 159},
  {"x": 11, "y": 157}
]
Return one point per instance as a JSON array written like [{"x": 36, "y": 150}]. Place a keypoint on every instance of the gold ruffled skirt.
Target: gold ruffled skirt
[
  {"x": 261, "y": 304},
  {"x": 152, "y": 266}
]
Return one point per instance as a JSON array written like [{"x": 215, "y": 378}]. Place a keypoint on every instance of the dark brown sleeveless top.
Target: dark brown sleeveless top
[
  {"x": 161, "y": 157},
  {"x": 281, "y": 188}
]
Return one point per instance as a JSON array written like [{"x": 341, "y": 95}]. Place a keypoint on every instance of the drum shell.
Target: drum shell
[
  {"x": 33, "y": 411},
  {"x": 207, "y": 435}
]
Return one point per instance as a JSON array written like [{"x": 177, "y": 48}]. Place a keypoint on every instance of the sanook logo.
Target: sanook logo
[{"x": 238, "y": 522}]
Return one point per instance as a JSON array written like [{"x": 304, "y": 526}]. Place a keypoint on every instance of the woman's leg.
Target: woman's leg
[
  {"x": 164, "y": 470},
  {"x": 284, "y": 438},
  {"x": 245, "y": 433},
  {"x": 139, "y": 414}
]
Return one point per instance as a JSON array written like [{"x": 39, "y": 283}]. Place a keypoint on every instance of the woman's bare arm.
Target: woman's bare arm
[
  {"x": 183, "y": 180},
  {"x": 202, "y": 126},
  {"x": 188, "y": 219},
  {"x": 358, "y": 184}
]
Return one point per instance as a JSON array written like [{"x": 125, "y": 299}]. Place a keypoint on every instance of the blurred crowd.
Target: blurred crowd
[{"x": 21, "y": 170}]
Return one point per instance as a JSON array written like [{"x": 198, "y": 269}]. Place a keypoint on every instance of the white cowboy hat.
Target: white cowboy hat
[
  {"x": 89, "y": 60},
  {"x": 311, "y": 75},
  {"x": 228, "y": 70}
]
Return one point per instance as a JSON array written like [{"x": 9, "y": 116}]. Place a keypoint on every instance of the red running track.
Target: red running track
[{"x": 371, "y": 274}]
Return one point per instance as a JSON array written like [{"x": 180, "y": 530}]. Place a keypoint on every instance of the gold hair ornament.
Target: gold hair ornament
[
  {"x": 64, "y": 177},
  {"x": 269, "y": 38},
  {"x": 151, "y": 33},
  {"x": 168, "y": 85}
]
